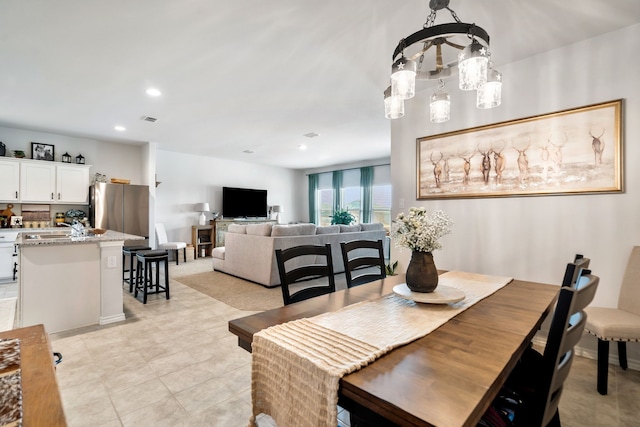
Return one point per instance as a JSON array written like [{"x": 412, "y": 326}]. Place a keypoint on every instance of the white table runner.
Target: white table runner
[{"x": 296, "y": 366}]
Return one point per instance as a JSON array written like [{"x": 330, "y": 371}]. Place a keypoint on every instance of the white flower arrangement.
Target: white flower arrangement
[{"x": 420, "y": 230}]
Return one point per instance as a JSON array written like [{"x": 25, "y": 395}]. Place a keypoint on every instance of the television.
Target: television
[{"x": 244, "y": 203}]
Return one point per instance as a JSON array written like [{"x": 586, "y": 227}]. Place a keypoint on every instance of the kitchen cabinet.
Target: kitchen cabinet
[
  {"x": 9, "y": 180},
  {"x": 72, "y": 184},
  {"x": 37, "y": 181}
]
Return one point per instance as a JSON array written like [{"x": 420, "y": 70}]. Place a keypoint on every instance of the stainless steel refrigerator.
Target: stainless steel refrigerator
[{"x": 120, "y": 207}]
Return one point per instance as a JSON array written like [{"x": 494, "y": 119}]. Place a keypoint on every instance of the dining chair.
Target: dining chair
[
  {"x": 163, "y": 243},
  {"x": 621, "y": 324},
  {"x": 572, "y": 271},
  {"x": 300, "y": 264},
  {"x": 365, "y": 257},
  {"x": 532, "y": 392}
]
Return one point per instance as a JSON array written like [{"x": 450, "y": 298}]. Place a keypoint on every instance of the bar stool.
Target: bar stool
[
  {"x": 130, "y": 250},
  {"x": 144, "y": 273}
]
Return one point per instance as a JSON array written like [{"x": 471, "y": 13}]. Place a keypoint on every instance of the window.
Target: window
[{"x": 352, "y": 196}]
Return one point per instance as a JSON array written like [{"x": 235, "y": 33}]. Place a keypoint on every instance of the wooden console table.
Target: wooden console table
[
  {"x": 202, "y": 239},
  {"x": 220, "y": 227},
  {"x": 41, "y": 402}
]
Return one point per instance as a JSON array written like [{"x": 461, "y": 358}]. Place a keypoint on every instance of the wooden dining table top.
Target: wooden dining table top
[
  {"x": 447, "y": 378},
  {"x": 41, "y": 402}
]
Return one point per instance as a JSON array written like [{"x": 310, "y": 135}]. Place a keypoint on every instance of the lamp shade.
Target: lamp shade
[
  {"x": 202, "y": 207},
  {"x": 276, "y": 208}
]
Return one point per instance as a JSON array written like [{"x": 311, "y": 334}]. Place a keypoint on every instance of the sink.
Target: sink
[
  {"x": 53, "y": 236},
  {"x": 45, "y": 235}
]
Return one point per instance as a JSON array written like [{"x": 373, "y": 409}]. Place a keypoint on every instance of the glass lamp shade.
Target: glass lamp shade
[
  {"x": 403, "y": 78},
  {"x": 440, "y": 107},
  {"x": 473, "y": 62},
  {"x": 490, "y": 93},
  {"x": 393, "y": 105}
]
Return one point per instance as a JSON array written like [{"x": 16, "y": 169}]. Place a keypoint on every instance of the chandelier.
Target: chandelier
[{"x": 472, "y": 65}]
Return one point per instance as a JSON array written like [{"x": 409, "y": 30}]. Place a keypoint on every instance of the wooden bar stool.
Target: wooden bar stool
[
  {"x": 131, "y": 252},
  {"x": 144, "y": 273}
]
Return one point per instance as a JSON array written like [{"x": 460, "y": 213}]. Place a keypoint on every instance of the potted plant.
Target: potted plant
[{"x": 342, "y": 216}]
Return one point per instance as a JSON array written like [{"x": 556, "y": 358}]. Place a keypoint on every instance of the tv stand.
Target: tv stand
[{"x": 220, "y": 227}]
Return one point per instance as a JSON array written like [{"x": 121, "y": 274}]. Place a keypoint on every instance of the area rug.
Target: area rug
[{"x": 239, "y": 293}]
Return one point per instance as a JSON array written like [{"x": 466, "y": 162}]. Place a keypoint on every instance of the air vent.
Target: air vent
[
  {"x": 311, "y": 135},
  {"x": 149, "y": 119},
  {"x": 248, "y": 151}
]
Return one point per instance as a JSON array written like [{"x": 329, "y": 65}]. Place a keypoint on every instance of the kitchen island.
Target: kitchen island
[{"x": 68, "y": 282}]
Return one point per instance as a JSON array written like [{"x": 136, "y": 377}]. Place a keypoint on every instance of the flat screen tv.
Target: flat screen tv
[{"x": 244, "y": 203}]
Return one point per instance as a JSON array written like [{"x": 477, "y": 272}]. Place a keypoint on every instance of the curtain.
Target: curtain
[
  {"x": 366, "y": 182},
  {"x": 337, "y": 194},
  {"x": 313, "y": 189}
]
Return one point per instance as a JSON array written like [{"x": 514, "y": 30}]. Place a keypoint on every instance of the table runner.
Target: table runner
[{"x": 297, "y": 366}]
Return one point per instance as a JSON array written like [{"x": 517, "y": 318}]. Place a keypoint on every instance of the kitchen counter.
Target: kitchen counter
[
  {"x": 69, "y": 282},
  {"x": 62, "y": 236}
]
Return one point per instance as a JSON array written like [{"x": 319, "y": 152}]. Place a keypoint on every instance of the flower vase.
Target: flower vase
[{"x": 422, "y": 274}]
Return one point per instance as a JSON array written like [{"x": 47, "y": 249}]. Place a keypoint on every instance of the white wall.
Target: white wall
[
  {"x": 112, "y": 159},
  {"x": 533, "y": 238},
  {"x": 188, "y": 179}
]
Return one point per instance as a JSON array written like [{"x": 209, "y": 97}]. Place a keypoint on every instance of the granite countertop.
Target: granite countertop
[{"x": 58, "y": 236}]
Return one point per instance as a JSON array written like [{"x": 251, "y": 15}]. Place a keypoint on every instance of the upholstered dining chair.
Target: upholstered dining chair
[
  {"x": 363, "y": 261},
  {"x": 621, "y": 324},
  {"x": 532, "y": 392},
  {"x": 299, "y": 264},
  {"x": 163, "y": 243}
]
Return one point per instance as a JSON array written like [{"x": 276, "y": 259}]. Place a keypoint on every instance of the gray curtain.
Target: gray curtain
[
  {"x": 337, "y": 194},
  {"x": 313, "y": 188},
  {"x": 366, "y": 182}
]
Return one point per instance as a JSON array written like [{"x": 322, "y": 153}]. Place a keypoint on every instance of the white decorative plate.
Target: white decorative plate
[{"x": 441, "y": 295}]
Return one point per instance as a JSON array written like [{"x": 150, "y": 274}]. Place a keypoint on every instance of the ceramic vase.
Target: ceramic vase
[{"x": 422, "y": 274}]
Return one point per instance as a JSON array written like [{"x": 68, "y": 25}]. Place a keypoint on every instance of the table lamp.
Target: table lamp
[
  {"x": 277, "y": 209},
  {"x": 202, "y": 208}
]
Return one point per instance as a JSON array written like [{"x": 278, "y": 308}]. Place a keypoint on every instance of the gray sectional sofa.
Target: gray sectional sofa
[{"x": 249, "y": 250}]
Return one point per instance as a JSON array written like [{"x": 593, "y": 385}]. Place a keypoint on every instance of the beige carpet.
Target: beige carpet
[{"x": 239, "y": 293}]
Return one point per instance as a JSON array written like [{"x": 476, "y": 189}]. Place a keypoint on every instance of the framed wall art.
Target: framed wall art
[
  {"x": 42, "y": 151},
  {"x": 567, "y": 152}
]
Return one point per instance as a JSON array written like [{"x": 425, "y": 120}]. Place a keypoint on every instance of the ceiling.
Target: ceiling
[{"x": 246, "y": 74}]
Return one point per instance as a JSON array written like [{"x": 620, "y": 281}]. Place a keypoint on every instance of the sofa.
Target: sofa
[{"x": 249, "y": 250}]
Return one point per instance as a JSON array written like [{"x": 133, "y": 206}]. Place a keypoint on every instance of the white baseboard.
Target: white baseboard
[
  {"x": 633, "y": 364},
  {"x": 112, "y": 319}
]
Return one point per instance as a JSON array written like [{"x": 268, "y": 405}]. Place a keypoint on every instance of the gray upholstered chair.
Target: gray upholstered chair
[
  {"x": 161, "y": 235},
  {"x": 621, "y": 324}
]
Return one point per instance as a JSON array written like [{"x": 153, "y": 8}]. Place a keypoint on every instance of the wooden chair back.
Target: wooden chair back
[
  {"x": 309, "y": 262},
  {"x": 363, "y": 261},
  {"x": 573, "y": 269}
]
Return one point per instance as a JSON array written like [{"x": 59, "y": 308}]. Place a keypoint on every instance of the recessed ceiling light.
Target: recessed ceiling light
[
  {"x": 120, "y": 128},
  {"x": 302, "y": 147},
  {"x": 152, "y": 91}
]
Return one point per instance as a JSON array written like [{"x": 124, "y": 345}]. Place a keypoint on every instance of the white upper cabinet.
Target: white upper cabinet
[
  {"x": 72, "y": 184},
  {"x": 48, "y": 182},
  {"x": 37, "y": 181},
  {"x": 9, "y": 180}
]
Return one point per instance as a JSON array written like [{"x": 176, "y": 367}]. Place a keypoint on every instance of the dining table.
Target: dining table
[{"x": 448, "y": 377}]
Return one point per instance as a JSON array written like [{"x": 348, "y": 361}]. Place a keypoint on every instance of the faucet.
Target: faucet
[{"x": 77, "y": 229}]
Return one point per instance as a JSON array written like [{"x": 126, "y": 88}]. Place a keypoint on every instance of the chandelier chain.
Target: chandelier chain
[
  {"x": 430, "y": 19},
  {"x": 454, "y": 14}
]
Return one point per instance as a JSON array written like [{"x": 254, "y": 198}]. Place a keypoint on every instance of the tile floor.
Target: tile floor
[{"x": 174, "y": 363}]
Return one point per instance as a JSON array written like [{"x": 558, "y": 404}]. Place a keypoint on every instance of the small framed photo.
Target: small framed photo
[{"x": 42, "y": 151}]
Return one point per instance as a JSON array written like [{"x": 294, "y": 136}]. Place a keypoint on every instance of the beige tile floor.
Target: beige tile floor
[{"x": 174, "y": 363}]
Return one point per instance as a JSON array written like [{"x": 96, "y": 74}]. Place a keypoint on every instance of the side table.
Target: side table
[{"x": 202, "y": 240}]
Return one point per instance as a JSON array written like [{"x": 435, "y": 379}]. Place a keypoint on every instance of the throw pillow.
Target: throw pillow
[
  {"x": 293, "y": 230},
  {"x": 328, "y": 229},
  {"x": 259, "y": 229},
  {"x": 349, "y": 228},
  {"x": 237, "y": 228},
  {"x": 372, "y": 226}
]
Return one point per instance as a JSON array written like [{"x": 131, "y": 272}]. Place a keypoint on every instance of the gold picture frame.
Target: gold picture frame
[{"x": 573, "y": 151}]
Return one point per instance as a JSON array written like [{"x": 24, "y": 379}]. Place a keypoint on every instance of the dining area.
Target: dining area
[{"x": 446, "y": 377}]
